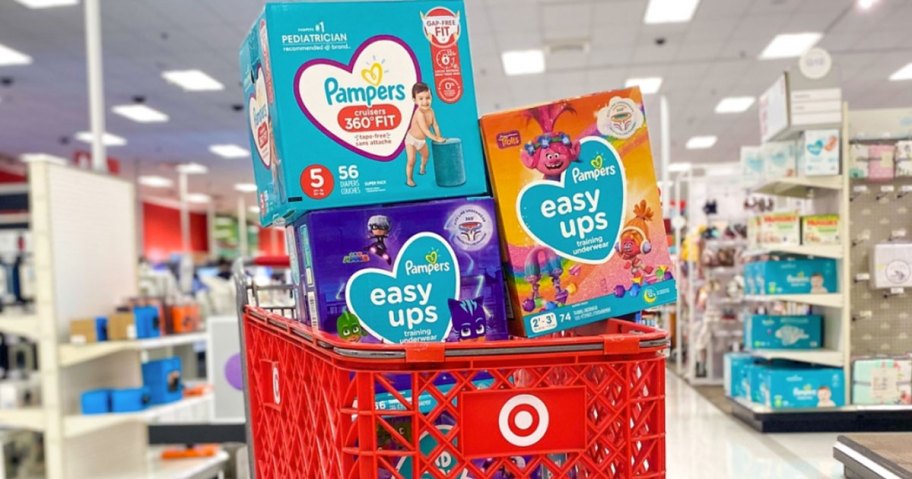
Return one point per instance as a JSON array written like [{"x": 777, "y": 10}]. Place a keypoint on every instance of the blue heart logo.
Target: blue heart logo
[
  {"x": 408, "y": 304},
  {"x": 815, "y": 148},
  {"x": 580, "y": 216}
]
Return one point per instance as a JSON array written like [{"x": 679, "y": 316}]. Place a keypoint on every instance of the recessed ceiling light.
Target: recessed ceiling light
[
  {"x": 787, "y": 45},
  {"x": 670, "y": 11},
  {"x": 648, "y": 85},
  {"x": 192, "y": 169},
  {"x": 198, "y": 198},
  {"x": 155, "y": 181},
  {"x": 229, "y": 151},
  {"x": 734, "y": 104},
  {"x": 8, "y": 56},
  {"x": 140, "y": 113},
  {"x": 866, "y": 4},
  {"x": 108, "y": 139},
  {"x": 47, "y": 3},
  {"x": 904, "y": 73},
  {"x": 679, "y": 167},
  {"x": 192, "y": 80},
  {"x": 701, "y": 142},
  {"x": 245, "y": 187},
  {"x": 523, "y": 62},
  {"x": 34, "y": 157}
]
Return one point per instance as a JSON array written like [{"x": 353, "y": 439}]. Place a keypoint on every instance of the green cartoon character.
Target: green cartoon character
[{"x": 349, "y": 327}]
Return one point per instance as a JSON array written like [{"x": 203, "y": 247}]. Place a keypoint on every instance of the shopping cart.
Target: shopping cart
[{"x": 563, "y": 407}]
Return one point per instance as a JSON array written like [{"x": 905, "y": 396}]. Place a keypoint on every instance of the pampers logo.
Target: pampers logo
[
  {"x": 364, "y": 105},
  {"x": 432, "y": 266}
]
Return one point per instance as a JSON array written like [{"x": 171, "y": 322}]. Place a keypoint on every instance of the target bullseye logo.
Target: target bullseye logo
[{"x": 524, "y": 420}]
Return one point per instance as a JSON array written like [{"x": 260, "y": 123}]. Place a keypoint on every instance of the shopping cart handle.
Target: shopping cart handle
[
  {"x": 621, "y": 344},
  {"x": 425, "y": 353}
]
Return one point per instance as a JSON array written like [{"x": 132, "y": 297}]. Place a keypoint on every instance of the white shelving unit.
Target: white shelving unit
[
  {"x": 83, "y": 233},
  {"x": 833, "y": 300},
  {"x": 820, "y": 251}
]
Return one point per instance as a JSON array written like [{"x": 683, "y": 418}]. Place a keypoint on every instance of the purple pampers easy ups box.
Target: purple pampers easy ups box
[{"x": 421, "y": 272}]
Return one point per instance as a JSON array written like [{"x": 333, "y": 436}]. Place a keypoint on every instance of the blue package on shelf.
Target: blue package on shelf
[
  {"x": 163, "y": 379},
  {"x": 737, "y": 374},
  {"x": 101, "y": 328},
  {"x": 784, "y": 332},
  {"x": 756, "y": 374},
  {"x": 130, "y": 400},
  {"x": 148, "y": 324},
  {"x": 96, "y": 401},
  {"x": 796, "y": 386},
  {"x": 796, "y": 276}
]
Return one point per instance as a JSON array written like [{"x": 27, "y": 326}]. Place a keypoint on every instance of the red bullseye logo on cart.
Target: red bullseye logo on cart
[{"x": 523, "y": 422}]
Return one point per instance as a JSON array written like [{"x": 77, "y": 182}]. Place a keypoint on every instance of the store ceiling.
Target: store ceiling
[{"x": 711, "y": 57}]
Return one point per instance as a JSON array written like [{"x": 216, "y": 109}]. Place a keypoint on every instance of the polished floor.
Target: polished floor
[{"x": 705, "y": 443}]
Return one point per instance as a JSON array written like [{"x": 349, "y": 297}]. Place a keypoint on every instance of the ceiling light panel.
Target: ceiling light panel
[
  {"x": 735, "y": 104},
  {"x": 701, "y": 142},
  {"x": 140, "y": 113},
  {"x": 9, "y": 56},
  {"x": 523, "y": 62},
  {"x": 229, "y": 151},
  {"x": 192, "y": 80},
  {"x": 648, "y": 85},
  {"x": 670, "y": 11},
  {"x": 108, "y": 139},
  {"x": 789, "y": 45}
]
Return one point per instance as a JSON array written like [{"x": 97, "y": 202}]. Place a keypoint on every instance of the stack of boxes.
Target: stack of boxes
[{"x": 162, "y": 384}]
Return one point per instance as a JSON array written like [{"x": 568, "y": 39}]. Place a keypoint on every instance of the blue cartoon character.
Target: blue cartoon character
[
  {"x": 378, "y": 227},
  {"x": 470, "y": 320}
]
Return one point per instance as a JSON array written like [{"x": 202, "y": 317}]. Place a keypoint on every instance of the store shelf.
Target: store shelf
[
  {"x": 820, "y": 251},
  {"x": 192, "y": 468},
  {"x": 825, "y": 357},
  {"x": 799, "y": 186},
  {"x": 833, "y": 419},
  {"x": 14, "y": 220},
  {"x": 71, "y": 354},
  {"x": 79, "y": 424},
  {"x": 20, "y": 324},
  {"x": 833, "y": 300},
  {"x": 29, "y": 418}
]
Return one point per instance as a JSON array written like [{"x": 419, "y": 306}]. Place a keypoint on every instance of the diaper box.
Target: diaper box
[
  {"x": 790, "y": 387},
  {"x": 882, "y": 381},
  {"x": 783, "y": 332},
  {"x": 903, "y": 159},
  {"x": 360, "y": 103},
  {"x": 778, "y": 159},
  {"x": 579, "y": 209},
  {"x": 858, "y": 161},
  {"x": 820, "y": 230},
  {"x": 818, "y": 153},
  {"x": 778, "y": 229},
  {"x": 891, "y": 265},
  {"x": 751, "y": 164},
  {"x": 881, "y": 162},
  {"x": 796, "y": 276},
  {"x": 735, "y": 374},
  {"x": 162, "y": 378},
  {"x": 424, "y": 272}
]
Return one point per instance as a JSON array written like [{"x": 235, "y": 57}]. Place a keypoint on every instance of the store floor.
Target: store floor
[{"x": 704, "y": 442}]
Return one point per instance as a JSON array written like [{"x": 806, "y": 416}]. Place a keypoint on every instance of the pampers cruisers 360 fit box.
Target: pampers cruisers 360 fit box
[
  {"x": 355, "y": 103},
  {"x": 579, "y": 210}
]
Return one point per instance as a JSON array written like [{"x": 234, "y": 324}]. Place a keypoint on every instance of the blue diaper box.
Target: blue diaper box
[
  {"x": 130, "y": 400},
  {"x": 148, "y": 324},
  {"x": 796, "y": 386},
  {"x": 793, "y": 276},
  {"x": 736, "y": 374},
  {"x": 783, "y": 332},
  {"x": 162, "y": 377},
  {"x": 96, "y": 401},
  {"x": 360, "y": 103},
  {"x": 101, "y": 328}
]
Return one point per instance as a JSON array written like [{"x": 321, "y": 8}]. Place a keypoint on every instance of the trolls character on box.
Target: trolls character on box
[
  {"x": 425, "y": 272},
  {"x": 579, "y": 208}
]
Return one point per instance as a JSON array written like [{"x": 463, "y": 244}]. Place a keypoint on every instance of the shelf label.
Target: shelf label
[
  {"x": 868, "y": 314},
  {"x": 887, "y": 188},
  {"x": 897, "y": 290},
  {"x": 906, "y": 188},
  {"x": 898, "y": 233},
  {"x": 860, "y": 188},
  {"x": 863, "y": 277}
]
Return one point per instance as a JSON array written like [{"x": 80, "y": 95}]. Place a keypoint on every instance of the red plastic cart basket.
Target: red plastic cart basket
[{"x": 583, "y": 407}]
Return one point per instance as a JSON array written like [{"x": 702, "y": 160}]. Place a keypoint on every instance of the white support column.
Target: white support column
[
  {"x": 243, "y": 247},
  {"x": 665, "y": 122},
  {"x": 96, "y": 83}
]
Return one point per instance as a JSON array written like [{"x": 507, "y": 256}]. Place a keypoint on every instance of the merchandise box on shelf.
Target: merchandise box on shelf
[
  {"x": 881, "y": 162},
  {"x": 19, "y": 393},
  {"x": 858, "y": 161},
  {"x": 779, "y": 229},
  {"x": 882, "y": 381},
  {"x": 818, "y": 153},
  {"x": 783, "y": 332},
  {"x": 360, "y": 103},
  {"x": 778, "y": 159},
  {"x": 96, "y": 401},
  {"x": 91, "y": 330},
  {"x": 820, "y": 230},
  {"x": 891, "y": 265},
  {"x": 130, "y": 400},
  {"x": 791, "y": 276},
  {"x": 162, "y": 379},
  {"x": 422, "y": 272},
  {"x": 904, "y": 159},
  {"x": 751, "y": 164},
  {"x": 736, "y": 374},
  {"x": 790, "y": 386},
  {"x": 579, "y": 208}
]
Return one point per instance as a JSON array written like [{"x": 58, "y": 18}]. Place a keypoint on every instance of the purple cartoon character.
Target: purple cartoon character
[
  {"x": 470, "y": 320},
  {"x": 378, "y": 227}
]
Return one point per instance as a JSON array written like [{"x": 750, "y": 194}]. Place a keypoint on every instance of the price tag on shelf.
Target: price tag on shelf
[
  {"x": 866, "y": 314},
  {"x": 898, "y": 233},
  {"x": 887, "y": 188},
  {"x": 897, "y": 290},
  {"x": 860, "y": 188},
  {"x": 906, "y": 188},
  {"x": 863, "y": 277}
]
